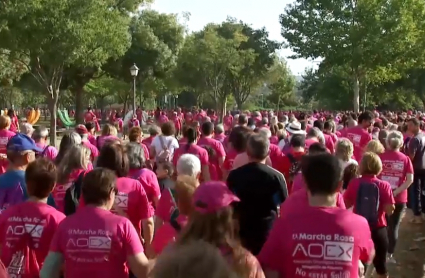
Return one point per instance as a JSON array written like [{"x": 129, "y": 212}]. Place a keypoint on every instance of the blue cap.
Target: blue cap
[{"x": 21, "y": 142}]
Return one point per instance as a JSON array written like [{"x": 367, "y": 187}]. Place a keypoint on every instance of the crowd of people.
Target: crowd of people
[{"x": 261, "y": 195}]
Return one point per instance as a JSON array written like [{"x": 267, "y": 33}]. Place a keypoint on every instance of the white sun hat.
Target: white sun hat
[{"x": 295, "y": 128}]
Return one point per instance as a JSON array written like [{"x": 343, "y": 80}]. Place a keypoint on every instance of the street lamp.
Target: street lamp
[
  {"x": 176, "y": 101},
  {"x": 134, "y": 70}
]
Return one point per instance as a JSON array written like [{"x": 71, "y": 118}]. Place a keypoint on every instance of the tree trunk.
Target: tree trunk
[
  {"x": 53, "y": 107},
  {"x": 356, "y": 90},
  {"x": 223, "y": 109},
  {"x": 239, "y": 103},
  {"x": 79, "y": 109}
]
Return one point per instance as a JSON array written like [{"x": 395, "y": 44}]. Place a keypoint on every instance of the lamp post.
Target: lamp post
[
  {"x": 134, "y": 70},
  {"x": 176, "y": 101}
]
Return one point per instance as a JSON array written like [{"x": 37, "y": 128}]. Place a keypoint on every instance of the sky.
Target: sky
[{"x": 254, "y": 12}]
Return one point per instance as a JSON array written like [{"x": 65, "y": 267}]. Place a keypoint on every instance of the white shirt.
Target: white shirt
[{"x": 170, "y": 141}]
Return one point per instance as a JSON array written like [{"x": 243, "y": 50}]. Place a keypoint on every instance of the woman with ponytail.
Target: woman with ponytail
[{"x": 191, "y": 136}]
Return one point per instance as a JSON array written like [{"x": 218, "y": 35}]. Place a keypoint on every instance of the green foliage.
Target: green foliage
[
  {"x": 372, "y": 38},
  {"x": 281, "y": 84},
  {"x": 48, "y": 36}
]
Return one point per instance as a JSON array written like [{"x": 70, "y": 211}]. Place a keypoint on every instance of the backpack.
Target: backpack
[
  {"x": 23, "y": 262},
  {"x": 165, "y": 154},
  {"x": 175, "y": 213},
  {"x": 294, "y": 168},
  {"x": 367, "y": 202},
  {"x": 43, "y": 152},
  {"x": 72, "y": 195}
]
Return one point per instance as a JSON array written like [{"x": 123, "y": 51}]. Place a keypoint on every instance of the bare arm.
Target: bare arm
[{"x": 148, "y": 231}]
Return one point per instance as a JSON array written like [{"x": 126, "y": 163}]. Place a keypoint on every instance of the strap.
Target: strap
[
  {"x": 291, "y": 158},
  {"x": 164, "y": 147},
  {"x": 45, "y": 150}
]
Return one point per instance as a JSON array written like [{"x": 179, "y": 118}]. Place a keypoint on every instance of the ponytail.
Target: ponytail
[{"x": 191, "y": 136}]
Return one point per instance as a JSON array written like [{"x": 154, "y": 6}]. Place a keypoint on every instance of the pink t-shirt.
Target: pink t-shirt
[
  {"x": 166, "y": 206},
  {"x": 329, "y": 143},
  {"x": 217, "y": 151},
  {"x": 299, "y": 200},
  {"x": 92, "y": 139},
  {"x": 94, "y": 152},
  {"x": 60, "y": 189},
  {"x": 5, "y": 136},
  {"x": 310, "y": 141},
  {"x": 95, "y": 243},
  {"x": 50, "y": 152},
  {"x": 148, "y": 141},
  {"x": 132, "y": 199},
  {"x": 166, "y": 234},
  {"x": 200, "y": 152},
  {"x": 275, "y": 154},
  {"x": 317, "y": 242},
  {"x": 359, "y": 137},
  {"x": 149, "y": 182},
  {"x": 298, "y": 182},
  {"x": 220, "y": 137},
  {"x": 385, "y": 195},
  {"x": 145, "y": 151},
  {"x": 274, "y": 140},
  {"x": 395, "y": 167},
  {"x": 39, "y": 220},
  {"x": 101, "y": 140}
]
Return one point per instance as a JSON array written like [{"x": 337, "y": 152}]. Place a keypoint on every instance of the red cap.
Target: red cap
[
  {"x": 212, "y": 196},
  {"x": 81, "y": 129}
]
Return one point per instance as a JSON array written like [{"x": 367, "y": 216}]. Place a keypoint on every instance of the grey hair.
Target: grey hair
[
  {"x": 258, "y": 146},
  {"x": 394, "y": 140},
  {"x": 76, "y": 157},
  {"x": 41, "y": 132},
  {"x": 273, "y": 120},
  {"x": 136, "y": 155},
  {"x": 315, "y": 132},
  {"x": 219, "y": 129},
  {"x": 68, "y": 140},
  {"x": 265, "y": 132},
  {"x": 188, "y": 164}
]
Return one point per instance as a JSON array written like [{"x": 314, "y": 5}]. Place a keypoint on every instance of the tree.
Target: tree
[
  {"x": 281, "y": 84},
  {"x": 255, "y": 57},
  {"x": 211, "y": 57},
  {"x": 48, "y": 36},
  {"x": 156, "y": 42},
  {"x": 370, "y": 37}
]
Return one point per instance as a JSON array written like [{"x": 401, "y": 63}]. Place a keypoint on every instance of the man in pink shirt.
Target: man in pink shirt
[
  {"x": 304, "y": 242},
  {"x": 359, "y": 135},
  {"x": 40, "y": 138}
]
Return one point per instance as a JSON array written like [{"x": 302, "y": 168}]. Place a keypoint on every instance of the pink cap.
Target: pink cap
[
  {"x": 81, "y": 129},
  {"x": 212, "y": 196}
]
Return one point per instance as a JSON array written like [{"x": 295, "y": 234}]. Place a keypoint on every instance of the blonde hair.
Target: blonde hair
[
  {"x": 344, "y": 149},
  {"x": 185, "y": 187},
  {"x": 77, "y": 157},
  {"x": 375, "y": 146},
  {"x": 109, "y": 129},
  {"x": 218, "y": 229},
  {"x": 4, "y": 122},
  {"x": 394, "y": 140},
  {"x": 370, "y": 164},
  {"x": 194, "y": 259}
]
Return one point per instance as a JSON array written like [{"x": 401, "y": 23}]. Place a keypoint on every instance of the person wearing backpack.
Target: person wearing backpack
[
  {"x": 289, "y": 163},
  {"x": 26, "y": 229},
  {"x": 182, "y": 195},
  {"x": 163, "y": 146},
  {"x": 372, "y": 198},
  {"x": 40, "y": 137}
]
